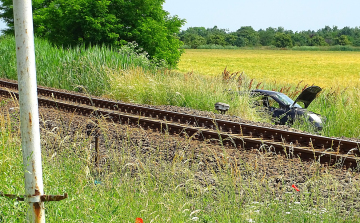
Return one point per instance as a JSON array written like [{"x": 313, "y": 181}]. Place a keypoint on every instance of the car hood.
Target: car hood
[{"x": 308, "y": 95}]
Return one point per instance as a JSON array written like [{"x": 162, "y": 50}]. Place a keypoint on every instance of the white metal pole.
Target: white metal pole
[{"x": 29, "y": 114}]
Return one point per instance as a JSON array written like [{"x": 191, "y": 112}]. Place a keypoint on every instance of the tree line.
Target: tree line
[{"x": 246, "y": 36}]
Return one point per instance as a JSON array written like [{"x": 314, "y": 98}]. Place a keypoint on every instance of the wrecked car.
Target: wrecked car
[{"x": 284, "y": 110}]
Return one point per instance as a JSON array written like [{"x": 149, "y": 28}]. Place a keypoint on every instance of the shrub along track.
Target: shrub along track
[{"x": 330, "y": 151}]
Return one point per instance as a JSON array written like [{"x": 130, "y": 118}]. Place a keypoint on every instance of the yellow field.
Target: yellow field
[{"x": 323, "y": 68}]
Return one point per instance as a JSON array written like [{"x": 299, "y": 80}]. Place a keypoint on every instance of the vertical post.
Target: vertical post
[
  {"x": 97, "y": 157},
  {"x": 29, "y": 115},
  {"x": 97, "y": 160}
]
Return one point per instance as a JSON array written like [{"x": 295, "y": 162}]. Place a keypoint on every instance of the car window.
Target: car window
[
  {"x": 264, "y": 102},
  {"x": 273, "y": 103},
  {"x": 286, "y": 100}
]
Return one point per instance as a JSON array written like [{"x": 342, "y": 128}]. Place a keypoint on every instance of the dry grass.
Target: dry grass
[{"x": 324, "y": 68}]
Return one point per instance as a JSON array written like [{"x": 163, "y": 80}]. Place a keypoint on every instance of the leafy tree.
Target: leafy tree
[
  {"x": 216, "y": 30},
  {"x": 217, "y": 39},
  {"x": 346, "y": 31},
  {"x": 201, "y": 31},
  {"x": 247, "y": 36},
  {"x": 216, "y": 36},
  {"x": 282, "y": 40},
  {"x": 231, "y": 39},
  {"x": 241, "y": 41},
  {"x": 300, "y": 39},
  {"x": 342, "y": 40},
  {"x": 194, "y": 40},
  {"x": 318, "y": 41},
  {"x": 356, "y": 42},
  {"x": 356, "y": 32},
  {"x": 280, "y": 29},
  {"x": 266, "y": 36},
  {"x": 110, "y": 22},
  {"x": 327, "y": 33}
]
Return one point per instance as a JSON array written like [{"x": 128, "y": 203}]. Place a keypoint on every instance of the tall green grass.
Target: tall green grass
[
  {"x": 66, "y": 68},
  {"x": 341, "y": 108},
  {"x": 338, "y": 106},
  {"x": 184, "y": 90},
  {"x": 128, "y": 75},
  {"x": 163, "y": 182}
]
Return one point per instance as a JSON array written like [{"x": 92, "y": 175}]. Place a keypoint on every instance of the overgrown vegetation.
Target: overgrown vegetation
[
  {"x": 184, "y": 90},
  {"x": 104, "y": 22},
  {"x": 66, "y": 68},
  {"x": 338, "y": 105},
  {"x": 171, "y": 181},
  {"x": 130, "y": 76},
  {"x": 175, "y": 180}
]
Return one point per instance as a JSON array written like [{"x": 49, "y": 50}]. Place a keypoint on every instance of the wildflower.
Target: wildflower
[
  {"x": 138, "y": 220},
  {"x": 295, "y": 187}
]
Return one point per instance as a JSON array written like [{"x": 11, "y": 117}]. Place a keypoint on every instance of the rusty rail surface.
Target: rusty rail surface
[{"x": 327, "y": 150}]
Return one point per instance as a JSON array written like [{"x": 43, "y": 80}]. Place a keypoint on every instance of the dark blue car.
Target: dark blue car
[{"x": 284, "y": 110}]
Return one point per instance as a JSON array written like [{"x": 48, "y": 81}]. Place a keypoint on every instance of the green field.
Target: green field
[{"x": 329, "y": 69}]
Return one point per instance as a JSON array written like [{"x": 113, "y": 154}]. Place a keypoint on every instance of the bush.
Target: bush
[
  {"x": 342, "y": 40},
  {"x": 185, "y": 47},
  {"x": 215, "y": 46},
  {"x": 326, "y": 48}
]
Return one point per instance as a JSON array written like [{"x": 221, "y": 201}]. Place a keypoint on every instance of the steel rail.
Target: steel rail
[{"x": 241, "y": 135}]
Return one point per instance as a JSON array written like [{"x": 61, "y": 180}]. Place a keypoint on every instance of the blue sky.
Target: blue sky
[{"x": 296, "y": 15}]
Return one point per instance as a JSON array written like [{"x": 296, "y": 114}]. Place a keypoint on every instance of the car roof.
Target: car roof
[
  {"x": 265, "y": 92},
  {"x": 306, "y": 96}
]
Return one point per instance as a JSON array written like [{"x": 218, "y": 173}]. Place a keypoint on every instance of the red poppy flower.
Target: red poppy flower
[{"x": 295, "y": 187}]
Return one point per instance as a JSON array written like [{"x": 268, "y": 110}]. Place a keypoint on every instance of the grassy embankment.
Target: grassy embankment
[
  {"x": 148, "y": 185},
  {"x": 104, "y": 72}
]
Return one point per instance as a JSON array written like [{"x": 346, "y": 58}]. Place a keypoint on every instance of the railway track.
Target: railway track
[{"x": 329, "y": 151}]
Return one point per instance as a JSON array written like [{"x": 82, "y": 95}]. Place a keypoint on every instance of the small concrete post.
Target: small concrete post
[{"x": 29, "y": 115}]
